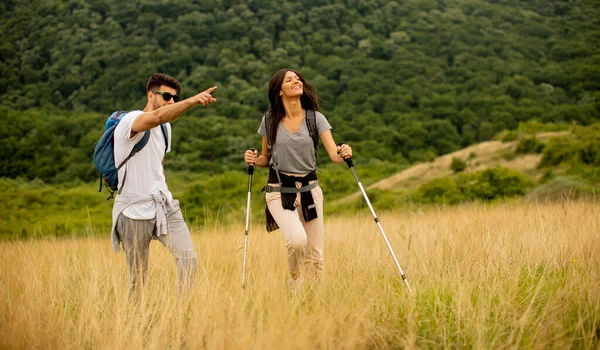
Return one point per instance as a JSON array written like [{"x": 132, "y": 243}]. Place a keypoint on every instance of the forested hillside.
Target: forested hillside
[{"x": 401, "y": 81}]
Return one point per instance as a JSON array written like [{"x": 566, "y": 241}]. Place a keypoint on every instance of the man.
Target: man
[{"x": 145, "y": 209}]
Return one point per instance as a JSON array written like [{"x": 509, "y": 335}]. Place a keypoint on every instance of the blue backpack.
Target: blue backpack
[{"x": 104, "y": 153}]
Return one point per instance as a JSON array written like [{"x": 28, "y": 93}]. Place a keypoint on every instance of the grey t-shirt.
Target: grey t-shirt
[{"x": 295, "y": 153}]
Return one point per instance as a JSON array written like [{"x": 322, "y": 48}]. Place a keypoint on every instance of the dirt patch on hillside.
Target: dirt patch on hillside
[
  {"x": 481, "y": 156},
  {"x": 478, "y": 157}
]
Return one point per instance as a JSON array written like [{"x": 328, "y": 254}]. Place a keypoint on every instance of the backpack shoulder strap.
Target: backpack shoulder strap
[
  {"x": 313, "y": 131},
  {"x": 311, "y": 124},
  {"x": 117, "y": 114},
  {"x": 137, "y": 147},
  {"x": 163, "y": 127},
  {"x": 268, "y": 130},
  {"x": 142, "y": 143},
  {"x": 114, "y": 119}
]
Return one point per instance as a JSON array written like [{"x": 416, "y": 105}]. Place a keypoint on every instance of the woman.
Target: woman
[{"x": 294, "y": 199}]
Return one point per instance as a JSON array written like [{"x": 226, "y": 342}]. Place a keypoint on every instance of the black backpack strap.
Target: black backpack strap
[
  {"x": 268, "y": 130},
  {"x": 313, "y": 131},
  {"x": 163, "y": 127},
  {"x": 270, "y": 223},
  {"x": 311, "y": 124}
]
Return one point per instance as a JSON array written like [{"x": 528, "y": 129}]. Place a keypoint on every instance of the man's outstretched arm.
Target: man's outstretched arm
[{"x": 170, "y": 112}]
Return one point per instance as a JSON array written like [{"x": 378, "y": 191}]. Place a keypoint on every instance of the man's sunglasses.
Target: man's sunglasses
[{"x": 167, "y": 96}]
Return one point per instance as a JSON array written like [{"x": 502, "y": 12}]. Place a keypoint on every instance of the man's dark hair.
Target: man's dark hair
[{"x": 158, "y": 79}]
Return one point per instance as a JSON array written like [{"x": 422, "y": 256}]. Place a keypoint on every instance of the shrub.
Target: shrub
[
  {"x": 458, "y": 165},
  {"x": 508, "y": 155},
  {"x": 440, "y": 191},
  {"x": 429, "y": 156},
  {"x": 384, "y": 199},
  {"x": 496, "y": 183},
  {"x": 589, "y": 152},
  {"x": 529, "y": 145},
  {"x": 488, "y": 184},
  {"x": 558, "y": 150},
  {"x": 507, "y": 136},
  {"x": 533, "y": 127},
  {"x": 547, "y": 176}
]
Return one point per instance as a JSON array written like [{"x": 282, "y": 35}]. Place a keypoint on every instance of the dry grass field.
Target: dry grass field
[{"x": 484, "y": 276}]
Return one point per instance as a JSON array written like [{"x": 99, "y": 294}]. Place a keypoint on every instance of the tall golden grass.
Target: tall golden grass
[{"x": 483, "y": 276}]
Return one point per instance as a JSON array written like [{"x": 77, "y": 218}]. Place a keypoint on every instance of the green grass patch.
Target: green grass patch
[{"x": 38, "y": 209}]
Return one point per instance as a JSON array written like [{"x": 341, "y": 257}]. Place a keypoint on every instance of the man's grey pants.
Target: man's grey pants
[{"x": 135, "y": 235}]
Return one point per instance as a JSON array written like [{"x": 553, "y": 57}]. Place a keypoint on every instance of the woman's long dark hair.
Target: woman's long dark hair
[{"x": 308, "y": 100}]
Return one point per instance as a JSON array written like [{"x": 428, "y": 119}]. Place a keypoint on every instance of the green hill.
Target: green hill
[
  {"x": 405, "y": 83},
  {"x": 400, "y": 81}
]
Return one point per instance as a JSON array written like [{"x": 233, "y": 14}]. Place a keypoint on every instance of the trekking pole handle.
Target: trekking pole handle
[
  {"x": 347, "y": 160},
  {"x": 251, "y": 167}
]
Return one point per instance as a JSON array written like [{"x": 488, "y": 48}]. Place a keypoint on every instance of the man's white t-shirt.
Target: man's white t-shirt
[{"x": 145, "y": 169}]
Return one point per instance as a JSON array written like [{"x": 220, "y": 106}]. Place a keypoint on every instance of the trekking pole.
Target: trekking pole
[
  {"x": 250, "y": 172},
  {"x": 351, "y": 166}
]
